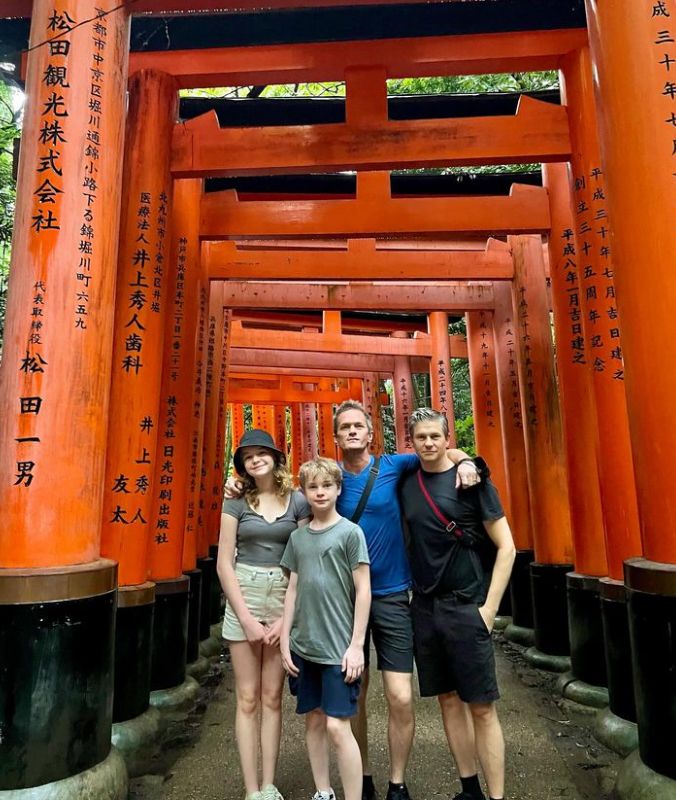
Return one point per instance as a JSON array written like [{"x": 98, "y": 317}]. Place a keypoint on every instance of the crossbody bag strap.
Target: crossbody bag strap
[
  {"x": 361, "y": 505},
  {"x": 449, "y": 525}
]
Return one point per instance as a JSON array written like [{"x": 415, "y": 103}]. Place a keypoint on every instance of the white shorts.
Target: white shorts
[{"x": 263, "y": 590}]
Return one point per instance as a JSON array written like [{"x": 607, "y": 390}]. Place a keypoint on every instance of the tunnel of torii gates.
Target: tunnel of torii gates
[{"x": 115, "y": 382}]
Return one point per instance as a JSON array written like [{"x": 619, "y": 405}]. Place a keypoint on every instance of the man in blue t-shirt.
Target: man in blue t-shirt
[{"x": 390, "y": 617}]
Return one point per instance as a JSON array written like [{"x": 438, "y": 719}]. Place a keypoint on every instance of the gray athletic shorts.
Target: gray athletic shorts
[{"x": 392, "y": 631}]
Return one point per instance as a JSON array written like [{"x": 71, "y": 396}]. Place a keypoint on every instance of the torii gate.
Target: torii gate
[{"x": 44, "y": 360}]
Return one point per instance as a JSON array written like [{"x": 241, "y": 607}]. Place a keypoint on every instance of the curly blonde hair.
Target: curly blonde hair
[{"x": 281, "y": 475}]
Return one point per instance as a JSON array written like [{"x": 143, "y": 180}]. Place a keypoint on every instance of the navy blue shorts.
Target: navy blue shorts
[{"x": 322, "y": 686}]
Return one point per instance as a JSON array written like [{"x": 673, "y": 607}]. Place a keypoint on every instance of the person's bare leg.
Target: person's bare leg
[
  {"x": 272, "y": 684},
  {"x": 360, "y": 727},
  {"x": 401, "y": 721},
  {"x": 246, "y": 665},
  {"x": 347, "y": 756},
  {"x": 490, "y": 746},
  {"x": 459, "y": 730},
  {"x": 317, "y": 741}
]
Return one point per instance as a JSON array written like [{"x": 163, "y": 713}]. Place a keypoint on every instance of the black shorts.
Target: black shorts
[
  {"x": 453, "y": 649},
  {"x": 392, "y": 631}
]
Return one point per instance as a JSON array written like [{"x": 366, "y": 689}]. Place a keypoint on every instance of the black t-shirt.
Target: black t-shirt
[{"x": 439, "y": 563}]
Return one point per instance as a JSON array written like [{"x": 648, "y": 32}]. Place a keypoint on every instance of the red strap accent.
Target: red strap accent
[{"x": 447, "y": 523}]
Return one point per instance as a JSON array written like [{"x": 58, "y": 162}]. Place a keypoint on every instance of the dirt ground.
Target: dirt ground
[{"x": 550, "y": 752}]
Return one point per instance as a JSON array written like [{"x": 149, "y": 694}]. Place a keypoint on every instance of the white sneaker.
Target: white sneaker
[
  {"x": 324, "y": 795},
  {"x": 254, "y": 796},
  {"x": 271, "y": 792}
]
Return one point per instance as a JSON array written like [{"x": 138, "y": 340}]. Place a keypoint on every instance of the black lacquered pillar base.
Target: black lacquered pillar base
[
  {"x": 170, "y": 633},
  {"x": 550, "y": 608},
  {"x": 133, "y": 649},
  {"x": 520, "y": 590},
  {"x": 651, "y": 594},
  {"x": 585, "y": 629},
  {"x": 215, "y": 609},
  {"x": 56, "y": 672},
  {"x": 208, "y": 568},
  {"x": 195, "y": 576},
  {"x": 615, "y": 618}
]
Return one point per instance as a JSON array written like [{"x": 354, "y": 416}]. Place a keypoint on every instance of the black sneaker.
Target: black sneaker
[
  {"x": 397, "y": 791},
  {"x": 368, "y": 790},
  {"x": 466, "y": 796}
]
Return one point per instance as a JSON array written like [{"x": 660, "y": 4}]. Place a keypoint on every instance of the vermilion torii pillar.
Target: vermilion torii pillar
[
  {"x": 633, "y": 48},
  {"x": 169, "y": 490},
  {"x": 402, "y": 393},
  {"x": 544, "y": 449},
  {"x": 485, "y": 402},
  {"x": 280, "y": 428},
  {"x": 604, "y": 342},
  {"x": 521, "y": 628},
  {"x": 371, "y": 401},
  {"x": 211, "y": 486},
  {"x": 296, "y": 438},
  {"x": 237, "y": 417},
  {"x": 441, "y": 384},
  {"x": 57, "y": 596},
  {"x": 579, "y": 425},
  {"x": 327, "y": 446},
  {"x": 138, "y": 338}
]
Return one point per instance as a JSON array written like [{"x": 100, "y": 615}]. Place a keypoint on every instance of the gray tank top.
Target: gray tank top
[{"x": 259, "y": 542}]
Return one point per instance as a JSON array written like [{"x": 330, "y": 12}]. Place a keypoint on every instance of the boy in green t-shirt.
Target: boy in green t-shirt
[{"x": 326, "y": 612}]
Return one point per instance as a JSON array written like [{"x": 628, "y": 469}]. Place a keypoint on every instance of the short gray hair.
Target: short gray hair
[
  {"x": 427, "y": 415},
  {"x": 352, "y": 405}
]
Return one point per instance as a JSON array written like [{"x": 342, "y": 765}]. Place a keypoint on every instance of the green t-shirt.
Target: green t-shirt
[{"x": 324, "y": 613}]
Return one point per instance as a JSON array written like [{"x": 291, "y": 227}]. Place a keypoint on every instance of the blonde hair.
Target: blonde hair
[
  {"x": 320, "y": 467},
  {"x": 282, "y": 478}
]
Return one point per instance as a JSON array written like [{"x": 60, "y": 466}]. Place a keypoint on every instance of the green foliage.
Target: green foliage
[
  {"x": 9, "y": 131},
  {"x": 464, "y": 434}
]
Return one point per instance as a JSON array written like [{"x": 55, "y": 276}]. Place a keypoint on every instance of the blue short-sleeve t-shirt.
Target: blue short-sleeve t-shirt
[{"x": 381, "y": 521}]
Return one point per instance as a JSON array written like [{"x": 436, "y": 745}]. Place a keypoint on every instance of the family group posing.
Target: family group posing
[{"x": 311, "y": 577}]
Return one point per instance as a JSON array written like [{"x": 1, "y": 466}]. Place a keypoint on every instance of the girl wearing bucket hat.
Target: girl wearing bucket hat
[{"x": 254, "y": 531}]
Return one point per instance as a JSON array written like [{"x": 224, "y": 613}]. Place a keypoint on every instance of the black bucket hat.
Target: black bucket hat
[{"x": 255, "y": 438}]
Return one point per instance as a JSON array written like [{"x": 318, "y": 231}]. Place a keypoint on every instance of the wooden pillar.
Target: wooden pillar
[
  {"x": 580, "y": 424},
  {"x": 633, "y": 49},
  {"x": 485, "y": 402},
  {"x": 57, "y": 594},
  {"x": 280, "y": 428},
  {"x": 402, "y": 392},
  {"x": 217, "y": 366},
  {"x": 211, "y": 312},
  {"x": 262, "y": 417},
  {"x": 544, "y": 447},
  {"x": 516, "y": 463},
  {"x": 441, "y": 385},
  {"x": 169, "y": 486},
  {"x": 138, "y": 336},
  {"x": 308, "y": 427},
  {"x": 296, "y": 438},
  {"x": 601, "y": 317},
  {"x": 327, "y": 446},
  {"x": 213, "y": 446},
  {"x": 237, "y": 424},
  {"x": 371, "y": 401}
]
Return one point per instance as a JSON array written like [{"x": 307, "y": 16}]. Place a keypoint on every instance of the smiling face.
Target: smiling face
[
  {"x": 258, "y": 461},
  {"x": 352, "y": 431},
  {"x": 430, "y": 443}
]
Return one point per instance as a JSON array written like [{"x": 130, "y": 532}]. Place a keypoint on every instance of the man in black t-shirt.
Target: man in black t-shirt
[{"x": 461, "y": 554}]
